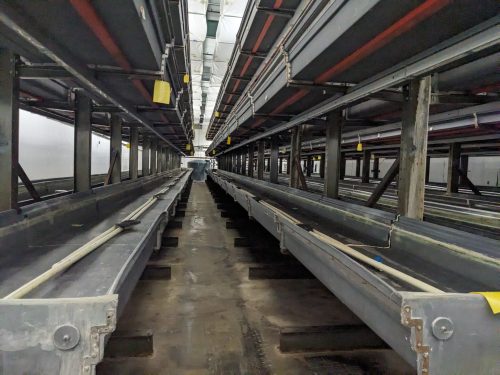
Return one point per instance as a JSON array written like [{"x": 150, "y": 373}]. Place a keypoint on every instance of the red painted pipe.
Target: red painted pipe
[
  {"x": 89, "y": 15},
  {"x": 409, "y": 21},
  {"x": 256, "y": 46}
]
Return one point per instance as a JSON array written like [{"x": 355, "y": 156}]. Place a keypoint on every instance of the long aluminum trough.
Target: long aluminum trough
[
  {"x": 455, "y": 332},
  {"x": 63, "y": 325},
  {"x": 471, "y": 213}
]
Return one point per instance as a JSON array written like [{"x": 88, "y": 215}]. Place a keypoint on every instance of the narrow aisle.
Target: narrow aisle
[
  {"x": 211, "y": 318},
  {"x": 197, "y": 317}
]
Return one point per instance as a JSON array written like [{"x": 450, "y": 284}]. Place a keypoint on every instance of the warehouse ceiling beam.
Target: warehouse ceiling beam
[
  {"x": 472, "y": 41},
  {"x": 44, "y": 71},
  {"x": 9, "y": 129},
  {"x": 31, "y": 33}
]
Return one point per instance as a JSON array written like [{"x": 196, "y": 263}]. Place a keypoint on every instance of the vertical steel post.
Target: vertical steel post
[
  {"x": 133, "y": 161},
  {"x": 280, "y": 166},
  {"x": 453, "y": 165},
  {"x": 358, "y": 166},
  {"x": 332, "y": 154},
  {"x": 168, "y": 158},
  {"x": 115, "y": 124},
  {"x": 153, "y": 146},
  {"x": 376, "y": 167},
  {"x": 322, "y": 166},
  {"x": 342, "y": 166},
  {"x": 251, "y": 149},
  {"x": 238, "y": 162},
  {"x": 309, "y": 165},
  {"x": 82, "y": 142},
  {"x": 295, "y": 151},
  {"x": 365, "y": 176},
  {"x": 427, "y": 169},
  {"x": 413, "y": 154},
  {"x": 9, "y": 129},
  {"x": 145, "y": 155},
  {"x": 288, "y": 165},
  {"x": 243, "y": 162},
  {"x": 260, "y": 159},
  {"x": 464, "y": 166},
  {"x": 273, "y": 160}
]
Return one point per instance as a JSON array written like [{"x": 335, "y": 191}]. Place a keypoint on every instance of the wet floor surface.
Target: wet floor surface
[{"x": 209, "y": 318}]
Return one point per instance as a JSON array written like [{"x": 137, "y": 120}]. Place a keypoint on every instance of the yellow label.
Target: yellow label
[
  {"x": 359, "y": 147},
  {"x": 186, "y": 78},
  {"x": 161, "y": 92},
  {"x": 213, "y": 152},
  {"x": 228, "y": 140},
  {"x": 127, "y": 145},
  {"x": 493, "y": 299},
  {"x": 217, "y": 114},
  {"x": 188, "y": 146}
]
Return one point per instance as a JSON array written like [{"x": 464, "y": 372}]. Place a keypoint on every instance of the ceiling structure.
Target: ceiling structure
[
  {"x": 213, "y": 26},
  {"x": 324, "y": 56},
  {"x": 68, "y": 45}
]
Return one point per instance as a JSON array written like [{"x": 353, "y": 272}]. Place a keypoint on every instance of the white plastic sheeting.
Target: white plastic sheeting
[
  {"x": 46, "y": 148},
  {"x": 232, "y": 8},
  {"x": 227, "y": 29}
]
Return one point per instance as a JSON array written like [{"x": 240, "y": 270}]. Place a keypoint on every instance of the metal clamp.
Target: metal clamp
[
  {"x": 127, "y": 224},
  {"x": 66, "y": 337}
]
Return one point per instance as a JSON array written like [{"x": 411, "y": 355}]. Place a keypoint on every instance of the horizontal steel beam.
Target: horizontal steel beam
[
  {"x": 410, "y": 322},
  {"x": 472, "y": 41},
  {"x": 27, "y": 30},
  {"x": 56, "y": 72}
]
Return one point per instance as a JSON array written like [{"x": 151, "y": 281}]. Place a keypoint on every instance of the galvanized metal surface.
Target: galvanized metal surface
[
  {"x": 403, "y": 319},
  {"x": 92, "y": 293}
]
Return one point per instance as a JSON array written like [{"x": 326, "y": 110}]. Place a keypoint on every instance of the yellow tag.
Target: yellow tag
[
  {"x": 493, "y": 299},
  {"x": 161, "y": 92},
  {"x": 359, "y": 147},
  {"x": 127, "y": 145},
  {"x": 186, "y": 78},
  {"x": 188, "y": 146},
  {"x": 213, "y": 152},
  {"x": 228, "y": 140},
  {"x": 217, "y": 114}
]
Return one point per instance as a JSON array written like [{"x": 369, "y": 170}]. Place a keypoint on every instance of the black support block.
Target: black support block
[
  {"x": 329, "y": 338},
  {"x": 156, "y": 272},
  {"x": 123, "y": 344},
  {"x": 279, "y": 271}
]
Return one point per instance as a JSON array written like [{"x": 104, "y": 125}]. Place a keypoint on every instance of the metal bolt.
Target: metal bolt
[{"x": 442, "y": 328}]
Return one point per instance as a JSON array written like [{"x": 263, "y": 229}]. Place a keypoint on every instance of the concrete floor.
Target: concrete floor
[{"x": 211, "y": 319}]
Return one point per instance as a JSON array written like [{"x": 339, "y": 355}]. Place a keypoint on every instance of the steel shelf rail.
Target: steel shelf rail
[
  {"x": 39, "y": 46},
  {"x": 67, "y": 320},
  {"x": 258, "y": 34},
  {"x": 445, "y": 334},
  {"x": 473, "y": 41},
  {"x": 469, "y": 117},
  {"x": 480, "y": 214}
]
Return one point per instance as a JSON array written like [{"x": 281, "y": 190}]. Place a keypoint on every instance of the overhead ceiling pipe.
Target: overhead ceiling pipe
[
  {"x": 256, "y": 46},
  {"x": 406, "y": 23},
  {"x": 89, "y": 15}
]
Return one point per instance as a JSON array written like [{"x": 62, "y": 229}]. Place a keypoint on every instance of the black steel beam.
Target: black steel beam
[
  {"x": 9, "y": 129},
  {"x": 28, "y": 31}
]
